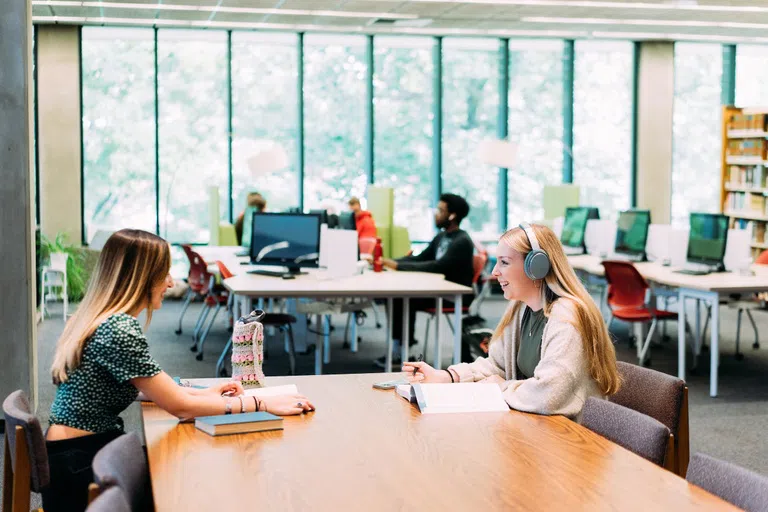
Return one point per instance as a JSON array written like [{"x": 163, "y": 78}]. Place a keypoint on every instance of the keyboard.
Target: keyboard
[
  {"x": 271, "y": 273},
  {"x": 693, "y": 272},
  {"x": 242, "y": 253}
]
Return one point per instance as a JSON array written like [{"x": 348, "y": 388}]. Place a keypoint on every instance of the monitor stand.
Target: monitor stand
[{"x": 288, "y": 273}]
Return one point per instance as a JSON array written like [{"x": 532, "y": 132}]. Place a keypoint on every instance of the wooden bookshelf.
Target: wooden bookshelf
[{"x": 744, "y": 187}]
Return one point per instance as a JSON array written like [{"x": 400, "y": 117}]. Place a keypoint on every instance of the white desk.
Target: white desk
[
  {"x": 707, "y": 288},
  {"x": 370, "y": 285}
]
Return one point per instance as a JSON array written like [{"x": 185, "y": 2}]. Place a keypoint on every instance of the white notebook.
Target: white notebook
[
  {"x": 288, "y": 389},
  {"x": 465, "y": 397}
]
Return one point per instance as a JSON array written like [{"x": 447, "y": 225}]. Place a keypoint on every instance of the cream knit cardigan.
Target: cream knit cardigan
[{"x": 561, "y": 382}]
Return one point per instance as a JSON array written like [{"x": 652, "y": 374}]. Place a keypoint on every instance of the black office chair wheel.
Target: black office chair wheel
[
  {"x": 177, "y": 331},
  {"x": 632, "y": 340},
  {"x": 694, "y": 371},
  {"x": 705, "y": 348},
  {"x": 223, "y": 373},
  {"x": 193, "y": 348},
  {"x": 666, "y": 338},
  {"x": 378, "y": 325},
  {"x": 756, "y": 345},
  {"x": 199, "y": 356},
  {"x": 739, "y": 356},
  {"x": 346, "y": 345},
  {"x": 647, "y": 363}
]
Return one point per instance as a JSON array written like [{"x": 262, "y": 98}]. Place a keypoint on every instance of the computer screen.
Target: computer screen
[
  {"x": 707, "y": 238},
  {"x": 323, "y": 215},
  {"x": 347, "y": 220},
  {"x": 245, "y": 241},
  {"x": 575, "y": 224},
  {"x": 285, "y": 239},
  {"x": 632, "y": 231}
]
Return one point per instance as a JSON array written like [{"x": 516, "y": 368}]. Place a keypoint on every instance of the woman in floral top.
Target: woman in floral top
[{"x": 102, "y": 362}]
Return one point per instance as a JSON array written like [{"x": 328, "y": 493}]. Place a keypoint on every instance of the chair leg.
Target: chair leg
[
  {"x": 326, "y": 339},
  {"x": 756, "y": 344},
  {"x": 7, "y": 473},
  {"x": 291, "y": 348},
  {"x": 646, "y": 343},
  {"x": 739, "y": 355},
  {"x": 222, "y": 358},
  {"x": 376, "y": 314},
  {"x": 199, "y": 325},
  {"x": 187, "y": 301},
  {"x": 350, "y": 315},
  {"x": 201, "y": 341},
  {"x": 426, "y": 334},
  {"x": 65, "y": 296}
]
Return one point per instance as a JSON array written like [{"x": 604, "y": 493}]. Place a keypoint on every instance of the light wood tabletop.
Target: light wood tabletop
[
  {"x": 365, "y": 449},
  {"x": 722, "y": 282}
]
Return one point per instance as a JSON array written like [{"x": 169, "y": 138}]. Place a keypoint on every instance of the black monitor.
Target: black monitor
[
  {"x": 707, "y": 238},
  {"x": 286, "y": 239},
  {"x": 575, "y": 224},
  {"x": 632, "y": 232},
  {"x": 347, "y": 220},
  {"x": 323, "y": 215}
]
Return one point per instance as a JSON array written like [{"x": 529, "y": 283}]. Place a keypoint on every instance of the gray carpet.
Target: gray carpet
[{"x": 731, "y": 426}]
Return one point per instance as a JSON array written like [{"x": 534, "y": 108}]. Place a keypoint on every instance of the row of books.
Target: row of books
[
  {"x": 747, "y": 147},
  {"x": 747, "y": 122},
  {"x": 746, "y": 176},
  {"x": 746, "y": 202},
  {"x": 755, "y": 228}
]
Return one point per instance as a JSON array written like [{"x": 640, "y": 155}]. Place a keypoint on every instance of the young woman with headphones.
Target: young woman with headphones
[{"x": 551, "y": 351}]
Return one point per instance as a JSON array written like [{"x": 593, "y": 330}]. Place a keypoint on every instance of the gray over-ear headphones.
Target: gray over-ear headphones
[{"x": 537, "y": 263}]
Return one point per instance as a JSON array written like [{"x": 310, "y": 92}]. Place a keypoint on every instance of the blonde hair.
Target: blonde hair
[
  {"x": 131, "y": 265},
  {"x": 562, "y": 282}
]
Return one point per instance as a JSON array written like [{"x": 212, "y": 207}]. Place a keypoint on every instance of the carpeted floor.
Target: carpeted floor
[{"x": 731, "y": 426}]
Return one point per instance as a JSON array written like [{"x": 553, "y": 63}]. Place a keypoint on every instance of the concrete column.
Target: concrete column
[
  {"x": 655, "y": 101},
  {"x": 18, "y": 349},
  {"x": 59, "y": 145}
]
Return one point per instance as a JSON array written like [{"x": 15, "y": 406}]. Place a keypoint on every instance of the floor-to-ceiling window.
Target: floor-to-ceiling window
[
  {"x": 193, "y": 155},
  {"x": 470, "y": 116},
  {"x": 535, "y": 125},
  {"x": 403, "y": 111},
  {"x": 696, "y": 130},
  {"x": 264, "y": 116},
  {"x": 751, "y": 75},
  {"x": 118, "y": 129},
  {"x": 334, "y": 119},
  {"x": 602, "y": 123}
]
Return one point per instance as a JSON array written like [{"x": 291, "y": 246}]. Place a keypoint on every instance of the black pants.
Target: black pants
[
  {"x": 414, "y": 305},
  {"x": 70, "y": 465}
]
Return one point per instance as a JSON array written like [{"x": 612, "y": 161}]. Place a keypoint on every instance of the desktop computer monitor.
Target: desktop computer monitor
[
  {"x": 632, "y": 232},
  {"x": 347, "y": 220},
  {"x": 575, "y": 224},
  {"x": 286, "y": 240},
  {"x": 245, "y": 241},
  {"x": 323, "y": 215},
  {"x": 707, "y": 238}
]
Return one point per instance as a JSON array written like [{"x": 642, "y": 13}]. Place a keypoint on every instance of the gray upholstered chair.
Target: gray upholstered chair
[
  {"x": 663, "y": 398},
  {"x": 122, "y": 463},
  {"x": 111, "y": 500},
  {"x": 634, "y": 431},
  {"x": 25, "y": 464},
  {"x": 734, "y": 484}
]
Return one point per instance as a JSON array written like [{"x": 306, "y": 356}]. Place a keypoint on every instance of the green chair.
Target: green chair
[{"x": 227, "y": 236}]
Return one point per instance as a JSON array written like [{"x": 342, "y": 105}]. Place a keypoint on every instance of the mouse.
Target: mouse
[{"x": 288, "y": 276}]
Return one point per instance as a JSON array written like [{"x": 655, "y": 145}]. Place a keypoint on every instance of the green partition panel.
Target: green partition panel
[
  {"x": 557, "y": 198},
  {"x": 381, "y": 204}
]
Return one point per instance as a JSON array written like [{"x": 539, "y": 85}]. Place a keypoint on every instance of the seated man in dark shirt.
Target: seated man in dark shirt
[{"x": 449, "y": 253}]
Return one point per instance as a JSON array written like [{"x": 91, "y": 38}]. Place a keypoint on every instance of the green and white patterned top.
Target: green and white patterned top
[{"x": 99, "y": 389}]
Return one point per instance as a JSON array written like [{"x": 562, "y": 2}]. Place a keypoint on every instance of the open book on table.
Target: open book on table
[{"x": 464, "y": 397}]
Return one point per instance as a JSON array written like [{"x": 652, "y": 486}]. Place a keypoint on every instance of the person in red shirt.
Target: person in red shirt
[{"x": 366, "y": 227}]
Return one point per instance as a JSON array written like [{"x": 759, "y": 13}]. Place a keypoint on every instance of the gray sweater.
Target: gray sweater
[{"x": 561, "y": 382}]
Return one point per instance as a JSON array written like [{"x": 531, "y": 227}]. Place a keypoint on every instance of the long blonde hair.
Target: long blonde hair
[
  {"x": 131, "y": 265},
  {"x": 561, "y": 281}
]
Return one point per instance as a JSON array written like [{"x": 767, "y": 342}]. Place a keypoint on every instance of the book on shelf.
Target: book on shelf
[
  {"x": 225, "y": 424},
  {"x": 747, "y": 176},
  {"x": 742, "y": 121}
]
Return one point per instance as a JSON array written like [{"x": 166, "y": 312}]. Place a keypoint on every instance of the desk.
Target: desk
[
  {"x": 369, "y": 449},
  {"x": 707, "y": 288},
  {"x": 370, "y": 285}
]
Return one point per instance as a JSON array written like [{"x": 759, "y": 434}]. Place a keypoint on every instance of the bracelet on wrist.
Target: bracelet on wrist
[
  {"x": 242, "y": 404},
  {"x": 451, "y": 376},
  {"x": 227, "y": 406}
]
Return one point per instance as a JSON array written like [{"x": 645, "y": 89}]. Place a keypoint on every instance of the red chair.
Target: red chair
[
  {"x": 631, "y": 300},
  {"x": 479, "y": 261},
  {"x": 197, "y": 279},
  {"x": 216, "y": 298}
]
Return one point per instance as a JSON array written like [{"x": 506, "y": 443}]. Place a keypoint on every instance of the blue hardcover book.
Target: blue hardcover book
[{"x": 238, "y": 423}]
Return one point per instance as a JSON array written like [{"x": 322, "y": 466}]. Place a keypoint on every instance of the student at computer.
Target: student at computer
[
  {"x": 364, "y": 223},
  {"x": 551, "y": 351},
  {"x": 254, "y": 200},
  {"x": 449, "y": 253},
  {"x": 102, "y": 361}
]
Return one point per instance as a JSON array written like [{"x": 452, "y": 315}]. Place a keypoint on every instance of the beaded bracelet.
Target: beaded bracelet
[{"x": 242, "y": 404}]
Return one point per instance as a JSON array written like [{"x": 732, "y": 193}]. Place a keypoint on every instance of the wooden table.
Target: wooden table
[
  {"x": 365, "y": 449},
  {"x": 707, "y": 288}
]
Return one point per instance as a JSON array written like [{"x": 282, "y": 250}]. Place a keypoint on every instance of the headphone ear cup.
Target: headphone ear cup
[{"x": 536, "y": 265}]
